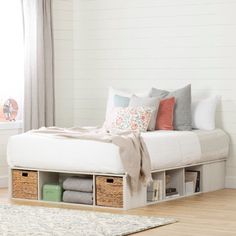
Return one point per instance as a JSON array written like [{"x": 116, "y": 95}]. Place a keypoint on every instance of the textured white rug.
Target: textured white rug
[{"x": 26, "y": 220}]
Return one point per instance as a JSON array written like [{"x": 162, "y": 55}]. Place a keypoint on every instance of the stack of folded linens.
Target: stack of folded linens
[{"x": 78, "y": 190}]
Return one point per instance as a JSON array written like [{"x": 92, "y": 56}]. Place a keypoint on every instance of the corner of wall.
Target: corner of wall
[{"x": 230, "y": 182}]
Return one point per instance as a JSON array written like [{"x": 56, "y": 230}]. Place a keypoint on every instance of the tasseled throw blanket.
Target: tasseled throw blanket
[{"x": 133, "y": 153}]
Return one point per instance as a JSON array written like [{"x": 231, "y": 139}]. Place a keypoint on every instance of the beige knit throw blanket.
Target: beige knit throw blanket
[{"x": 133, "y": 152}]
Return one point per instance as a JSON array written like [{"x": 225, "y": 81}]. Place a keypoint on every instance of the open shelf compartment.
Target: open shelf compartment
[
  {"x": 57, "y": 179},
  {"x": 174, "y": 181},
  {"x": 156, "y": 190},
  {"x": 193, "y": 180}
]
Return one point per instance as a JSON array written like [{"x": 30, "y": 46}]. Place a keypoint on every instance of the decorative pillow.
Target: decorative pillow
[
  {"x": 182, "y": 111},
  {"x": 120, "y": 101},
  {"x": 147, "y": 102},
  {"x": 129, "y": 118},
  {"x": 203, "y": 113},
  {"x": 165, "y": 115},
  {"x": 113, "y": 92}
]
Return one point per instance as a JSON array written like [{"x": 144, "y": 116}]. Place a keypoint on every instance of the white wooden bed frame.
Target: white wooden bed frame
[{"x": 212, "y": 178}]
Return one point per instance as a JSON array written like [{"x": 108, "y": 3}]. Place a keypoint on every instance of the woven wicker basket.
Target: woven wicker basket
[
  {"x": 25, "y": 184},
  {"x": 109, "y": 191}
]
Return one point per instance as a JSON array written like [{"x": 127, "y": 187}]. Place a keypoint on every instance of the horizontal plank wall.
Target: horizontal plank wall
[
  {"x": 63, "y": 46},
  {"x": 136, "y": 44},
  {"x": 5, "y": 134}
]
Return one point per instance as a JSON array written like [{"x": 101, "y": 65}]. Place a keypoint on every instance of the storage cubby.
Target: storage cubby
[
  {"x": 156, "y": 190},
  {"x": 193, "y": 180},
  {"x": 47, "y": 178},
  {"x": 80, "y": 190},
  {"x": 24, "y": 184},
  {"x": 109, "y": 191},
  {"x": 55, "y": 181},
  {"x": 175, "y": 180}
]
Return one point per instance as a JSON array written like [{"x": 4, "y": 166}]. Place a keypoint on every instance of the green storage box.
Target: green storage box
[{"x": 52, "y": 192}]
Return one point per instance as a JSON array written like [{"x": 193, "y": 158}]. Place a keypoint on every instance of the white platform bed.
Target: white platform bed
[{"x": 170, "y": 152}]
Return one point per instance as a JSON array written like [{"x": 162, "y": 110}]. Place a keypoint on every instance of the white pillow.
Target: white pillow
[
  {"x": 203, "y": 113},
  {"x": 112, "y": 92}
]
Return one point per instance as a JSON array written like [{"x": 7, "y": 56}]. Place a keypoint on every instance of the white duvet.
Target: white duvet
[
  {"x": 172, "y": 148},
  {"x": 166, "y": 149}
]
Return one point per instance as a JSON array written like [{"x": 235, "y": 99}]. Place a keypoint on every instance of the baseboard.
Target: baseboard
[
  {"x": 3, "y": 181},
  {"x": 230, "y": 181}
]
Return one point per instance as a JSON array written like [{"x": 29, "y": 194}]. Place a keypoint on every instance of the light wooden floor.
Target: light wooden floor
[{"x": 206, "y": 214}]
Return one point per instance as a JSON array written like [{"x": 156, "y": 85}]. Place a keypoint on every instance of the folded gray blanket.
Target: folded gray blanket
[
  {"x": 78, "y": 197},
  {"x": 78, "y": 184}
]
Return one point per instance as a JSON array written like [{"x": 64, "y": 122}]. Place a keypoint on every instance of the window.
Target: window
[{"x": 11, "y": 53}]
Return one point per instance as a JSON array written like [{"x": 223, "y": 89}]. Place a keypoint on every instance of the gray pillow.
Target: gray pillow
[
  {"x": 182, "y": 113},
  {"x": 147, "y": 102}
]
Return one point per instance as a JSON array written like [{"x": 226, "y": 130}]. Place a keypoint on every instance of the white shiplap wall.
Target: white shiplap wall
[
  {"x": 63, "y": 45},
  {"x": 136, "y": 44},
  {"x": 6, "y": 131}
]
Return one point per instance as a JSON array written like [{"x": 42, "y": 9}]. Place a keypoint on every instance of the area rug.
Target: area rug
[{"x": 17, "y": 220}]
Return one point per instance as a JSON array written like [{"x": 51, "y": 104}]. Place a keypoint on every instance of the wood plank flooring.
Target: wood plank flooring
[{"x": 209, "y": 214}]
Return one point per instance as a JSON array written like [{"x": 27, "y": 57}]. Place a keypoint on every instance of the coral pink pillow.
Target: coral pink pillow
[{"x": 165, "y": 116}]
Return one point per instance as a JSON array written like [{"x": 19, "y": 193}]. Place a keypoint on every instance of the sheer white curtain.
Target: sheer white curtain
[
  {"x": 39, "y": 73},
  {"x": 11, "y": 53}
]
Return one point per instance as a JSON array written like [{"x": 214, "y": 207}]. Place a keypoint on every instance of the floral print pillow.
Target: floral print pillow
[{"x": 129, "y": 118}]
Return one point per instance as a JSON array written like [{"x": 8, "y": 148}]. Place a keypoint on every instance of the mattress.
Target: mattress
[{"x": 167, "y": 149}]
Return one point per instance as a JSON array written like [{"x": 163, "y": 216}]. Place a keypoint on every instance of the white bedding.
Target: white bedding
[{"x": 166, "y": 149}]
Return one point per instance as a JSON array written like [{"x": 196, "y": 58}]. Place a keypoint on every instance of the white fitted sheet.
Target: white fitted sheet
[{"x": 166, "y": 149}]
